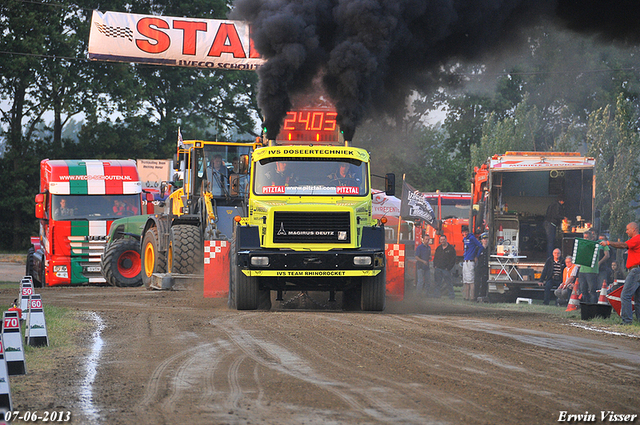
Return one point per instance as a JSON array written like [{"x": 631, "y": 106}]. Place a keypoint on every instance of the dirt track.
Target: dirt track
[{"x": 175, "y": 357}]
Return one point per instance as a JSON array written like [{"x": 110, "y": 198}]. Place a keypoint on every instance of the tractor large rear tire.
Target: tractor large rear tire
[
  {"x": 152, "y": 259},
  {"x": 185, "y": 252},
  {"x": 121, "y": 264},
  {"x": 374, "y": 292}
]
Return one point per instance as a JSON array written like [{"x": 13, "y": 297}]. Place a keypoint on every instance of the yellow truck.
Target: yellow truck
[{"x": 309, "y": 224}]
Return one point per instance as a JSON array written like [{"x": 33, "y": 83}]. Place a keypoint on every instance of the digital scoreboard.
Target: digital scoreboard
[{"x": 310, "y": 126}]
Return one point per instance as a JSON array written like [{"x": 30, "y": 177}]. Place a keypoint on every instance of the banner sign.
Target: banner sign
[
  {"x": 385, "y": 206},
  {"x": 415, "y": 205},
  {"x": 163, "y": 40},
  {"x": 152, "y": 172}
]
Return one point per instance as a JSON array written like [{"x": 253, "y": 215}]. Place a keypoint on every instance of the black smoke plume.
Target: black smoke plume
[{"x": 371, "y": 54}]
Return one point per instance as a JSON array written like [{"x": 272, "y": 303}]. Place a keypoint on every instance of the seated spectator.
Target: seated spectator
[
  {"x": 551, "y": 274},
  {"x": 616, "y": 275},
  {"x": 569, "y": 282}
]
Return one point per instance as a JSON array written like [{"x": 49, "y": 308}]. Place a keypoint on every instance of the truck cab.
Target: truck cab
[{"x": 78, "y": 201}]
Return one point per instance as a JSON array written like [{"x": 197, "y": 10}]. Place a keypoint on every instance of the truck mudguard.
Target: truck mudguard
[
  {"x": 373, "y": 238},
  {"x": 248, "y": 237}
]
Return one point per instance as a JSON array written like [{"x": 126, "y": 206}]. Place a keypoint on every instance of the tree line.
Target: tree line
[
  {"x": 560, "y": 91},
  {"x": 126, "y": 110}
]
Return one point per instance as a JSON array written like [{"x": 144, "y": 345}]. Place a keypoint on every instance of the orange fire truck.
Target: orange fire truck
[{"x": 452, "y": 209}]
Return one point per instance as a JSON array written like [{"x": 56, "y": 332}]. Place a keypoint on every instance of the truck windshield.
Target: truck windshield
[
  {"x": 94, "y": 207},
  {"x": 218, "y": 165},
  {"x": 310, "y": 176}
]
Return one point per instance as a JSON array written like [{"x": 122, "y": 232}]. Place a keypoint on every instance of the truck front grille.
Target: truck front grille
[{"x": 311, "y": 227}]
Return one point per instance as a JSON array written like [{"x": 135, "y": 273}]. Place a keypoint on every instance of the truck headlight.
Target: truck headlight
[
  {"x": 59, "y": 269},
  {"x": 260, "y": 261},
  {"x": 362, "y": 261}
]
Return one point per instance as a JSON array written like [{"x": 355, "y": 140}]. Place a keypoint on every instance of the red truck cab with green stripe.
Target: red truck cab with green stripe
[{"x": 78, "y": 201}]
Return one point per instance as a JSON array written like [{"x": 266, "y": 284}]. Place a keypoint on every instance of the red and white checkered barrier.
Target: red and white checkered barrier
[
  {"x": 395, "y": 253},
  {"x": 216, "y": 269},
  {"x": 395, "y": 271},
  {"x": 213, "y": 248}
]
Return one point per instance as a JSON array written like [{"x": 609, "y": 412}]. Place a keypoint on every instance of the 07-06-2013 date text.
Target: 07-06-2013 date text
[{"x": 35, "y": 416}]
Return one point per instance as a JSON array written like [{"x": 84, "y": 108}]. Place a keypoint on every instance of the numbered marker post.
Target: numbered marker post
[
  {"x": 5, "y": 390},
  {"x": 25, "y": 279},
  {"x": 25, "y": 293},
  {"x": 12, "y": 337},
  {"x": 36, "y": 328}
]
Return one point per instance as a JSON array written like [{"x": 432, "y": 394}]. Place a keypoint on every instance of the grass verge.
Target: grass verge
[
  {"x": 63, "y": 327},
  {"x": 612, "y": 324}
]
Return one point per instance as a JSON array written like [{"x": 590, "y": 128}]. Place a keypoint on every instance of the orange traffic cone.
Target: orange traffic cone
[
  {"x": 603, "y": 294},
  {"x": 574, "y": 303}
]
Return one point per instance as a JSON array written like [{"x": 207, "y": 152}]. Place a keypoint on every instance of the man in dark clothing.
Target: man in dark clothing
[
  {"x": 551, "y": 274},
  {"x": 280, "y": 176},
  {"x": 553, "y": 219},
  {"x": 443, "y": 261},
  {"x": 472, "y": 247},
  {"x": 423, "y": 256}
]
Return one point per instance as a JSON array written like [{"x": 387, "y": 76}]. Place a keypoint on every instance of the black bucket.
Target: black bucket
[{"x": 589, "y": 311}]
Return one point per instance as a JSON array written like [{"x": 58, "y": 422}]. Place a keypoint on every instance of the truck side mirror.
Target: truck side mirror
[
  {"x": 40, "y": 207},
  {"x": 390, "y": 184},
  {"x": 243, "y": 164}
]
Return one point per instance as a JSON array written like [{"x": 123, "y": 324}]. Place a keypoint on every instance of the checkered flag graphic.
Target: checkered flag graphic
[{"x": 115, "y": 31}]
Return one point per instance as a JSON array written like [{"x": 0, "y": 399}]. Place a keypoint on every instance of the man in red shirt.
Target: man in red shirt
[{"x": 632, "y": 282}]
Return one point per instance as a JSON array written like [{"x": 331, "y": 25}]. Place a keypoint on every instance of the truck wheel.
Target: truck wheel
[
  {"x": 185, "y": 252},
  {"x": 29, "y": 267},
  {"x": 152, "y": 259},
  {"x": 121, "y": 264},
  {"x": 264, "y": 299},
  {"x": 243, "y": 290},
  {"x": 374, "y": 292},
  {"x": 351, "y": 299},
  {"x": 246, "y": 289},
  {"x": 231, "y": 301}
]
